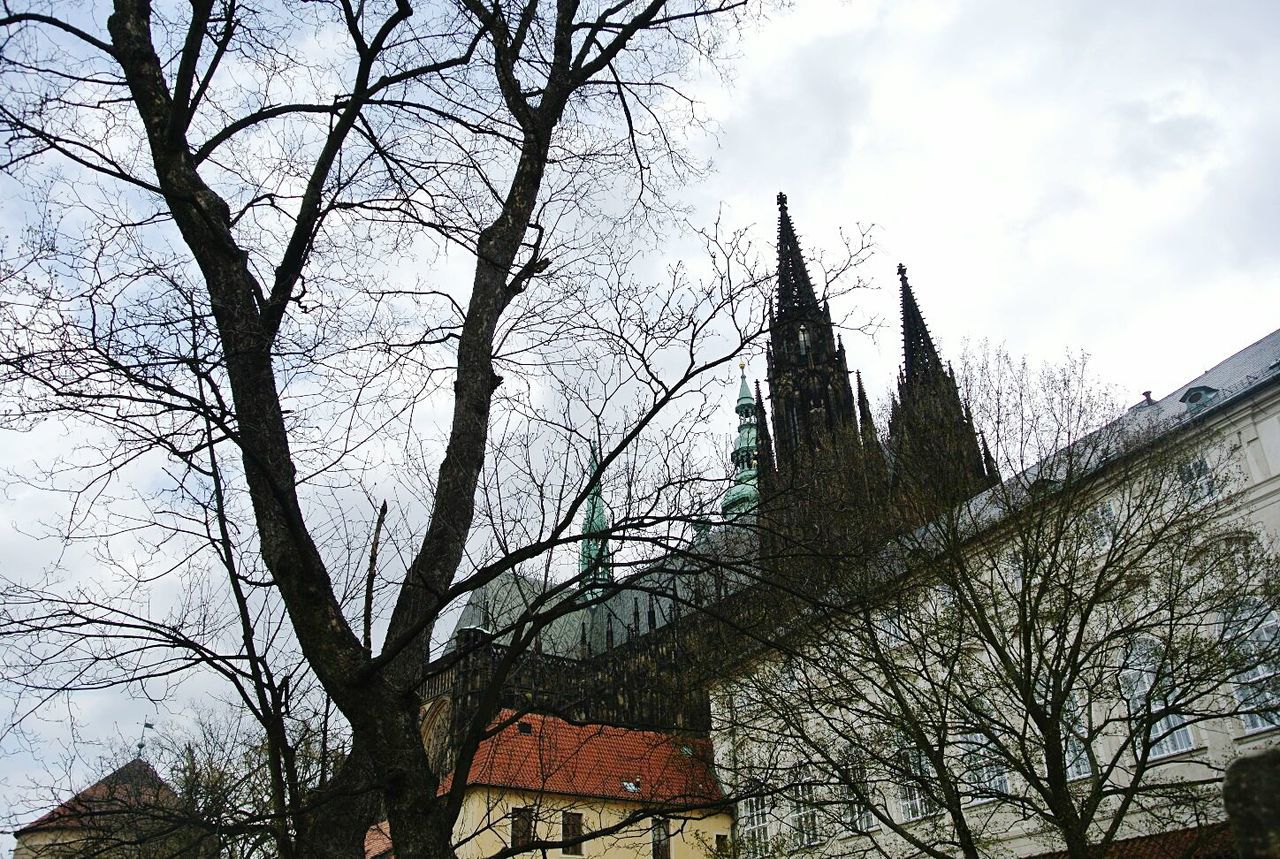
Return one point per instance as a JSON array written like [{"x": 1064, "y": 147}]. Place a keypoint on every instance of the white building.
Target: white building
[{"x": 1070, "y": 659}]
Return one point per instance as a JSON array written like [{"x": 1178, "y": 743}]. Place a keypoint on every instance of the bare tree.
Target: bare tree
[
  {"x": 218, "y": 190},
  {"x": 1042, "y": 662}
]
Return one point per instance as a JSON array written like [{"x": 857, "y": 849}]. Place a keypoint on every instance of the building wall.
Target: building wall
[
  {"x": 1247, "y": 430},
  {"x": 485, "y": 824}
]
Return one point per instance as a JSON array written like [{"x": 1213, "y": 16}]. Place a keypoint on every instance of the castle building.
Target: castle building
[
  {"x": 815, "y": 486},
  {"x": 539, "y": 781},
  {"x": 812, "y": 477}
]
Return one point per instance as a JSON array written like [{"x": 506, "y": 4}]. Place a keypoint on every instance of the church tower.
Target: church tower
[
  {"x": 821, "y": 472},
  {"x": 809, "y": 391},
  {"x": 937, "y": 457}
]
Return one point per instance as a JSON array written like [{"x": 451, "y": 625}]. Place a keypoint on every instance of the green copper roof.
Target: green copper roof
[
  {"x": 743, "y": 496},
  {"x": 745, "y": 400},
  {"x": 593, "y": 552}
]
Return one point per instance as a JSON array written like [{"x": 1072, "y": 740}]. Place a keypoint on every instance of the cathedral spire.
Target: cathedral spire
[
  {"x": 810, "y": 398},
  {"x": 593, "y": 551},
  {"x": 919, "y": 354},
  {"x": 874, "y": 464},
  {"x": 764, "y": 444},
  {"x": 866, "y": 423},
  {"x": 937, "y": 457},
  {"x": 795, "y": 292},
  {"x": 988, "y": 461}
]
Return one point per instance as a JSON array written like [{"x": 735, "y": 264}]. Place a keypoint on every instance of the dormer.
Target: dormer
[{"x": 1197, "y": 397}]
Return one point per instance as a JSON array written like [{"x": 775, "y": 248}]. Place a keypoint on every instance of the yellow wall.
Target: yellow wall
[{"x": 484, "y": 826}]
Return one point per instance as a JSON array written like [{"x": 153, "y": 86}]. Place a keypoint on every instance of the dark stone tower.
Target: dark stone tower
[
  {"x": 938, "y": 459},
  {"x": 822, "y": 471},
  {"x": 809, "y": 392}
]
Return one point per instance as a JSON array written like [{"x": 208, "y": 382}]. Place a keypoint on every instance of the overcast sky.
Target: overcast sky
[{"x": 1087, "y": 175}]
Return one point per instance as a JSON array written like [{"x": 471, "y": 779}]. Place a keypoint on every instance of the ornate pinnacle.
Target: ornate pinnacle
[{"x": 918, "y": 352}]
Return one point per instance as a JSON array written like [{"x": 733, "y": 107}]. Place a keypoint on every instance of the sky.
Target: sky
[
  {"x": 1088, "y": 176},
  {"x": 1092, "y": 176}
]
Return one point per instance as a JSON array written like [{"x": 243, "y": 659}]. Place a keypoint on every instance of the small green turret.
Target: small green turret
[
  {"x": 593, "y": 554},
  {"x": 743, "y": 496}
]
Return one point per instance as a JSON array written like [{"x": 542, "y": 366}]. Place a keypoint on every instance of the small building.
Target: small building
[
  {"x": 130, "y": 813},
  {"x": 548, "y": 784}
]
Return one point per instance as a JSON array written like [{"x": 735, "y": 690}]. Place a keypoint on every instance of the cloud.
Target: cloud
[{"x": 1087, "y": 175}]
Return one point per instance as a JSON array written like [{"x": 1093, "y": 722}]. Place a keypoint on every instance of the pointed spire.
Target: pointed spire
[
  {"x": 745, "y": 400},
  {"x": 795, "y": 292},
  {"x": 989, "y": 461},
  {"x": 593, "y": 552},
  {"x": 742, "y": 497},
  {"x": 764, "y": 443},
  {"x": 875, "y": 466},
  {"x": 919, "y": 354},
  {"x": 866, "y": 423}
]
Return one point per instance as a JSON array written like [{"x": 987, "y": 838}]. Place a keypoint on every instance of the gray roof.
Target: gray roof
[{"x": 1238, "y": 374}]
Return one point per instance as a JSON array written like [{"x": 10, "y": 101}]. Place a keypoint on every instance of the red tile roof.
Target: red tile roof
[
  {"x": 377, "y": 842},
  {"x": 134, "y": 786},
  {"x": 1200, "y": 842},
  {"x": 545, "y": 754}
]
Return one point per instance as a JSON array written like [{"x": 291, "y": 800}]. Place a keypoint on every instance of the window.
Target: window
[
  {"x": 661, "y": 837},
  {"x": 1076, "y": 742},
  {"x": 1013, "y": 571},
  {"x": 522, "y": 826},
  {"x": 1169, "y": 734},
  {"x": 1257, "y": 689},
  {"x": 1198, "y": 479},
  {"x": 1198, "y": 397},
  {"x": 804, "y": 809},
  {"x": 985, "y": 774},
  {"x": 754, "y": 825},
  {"x": 722, "y": 845},
  {"x": 1102, "y": 524},
  {"x": 570, "y": 828},
  {"x": 891, "y": 626},
  {"x": 913, "y": 796},
  {"x": 857, "y": 811}
]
